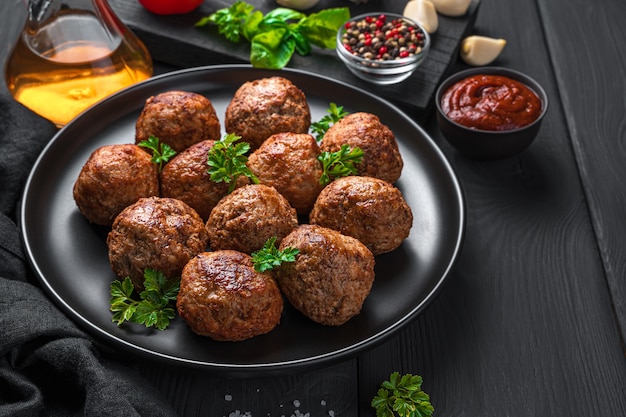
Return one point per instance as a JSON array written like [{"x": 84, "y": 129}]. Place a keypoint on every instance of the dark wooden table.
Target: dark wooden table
[{"x": 531, "y": 320}]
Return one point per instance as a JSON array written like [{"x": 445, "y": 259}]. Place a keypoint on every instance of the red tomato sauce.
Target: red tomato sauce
[{"x": 491, "y": 102}]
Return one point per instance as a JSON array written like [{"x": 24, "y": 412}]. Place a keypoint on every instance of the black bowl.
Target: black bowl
[{"x": 489, "y": 144}]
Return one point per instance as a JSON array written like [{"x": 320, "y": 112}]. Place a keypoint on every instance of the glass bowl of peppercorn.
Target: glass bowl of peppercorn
[{"x": 382, "y": 48}]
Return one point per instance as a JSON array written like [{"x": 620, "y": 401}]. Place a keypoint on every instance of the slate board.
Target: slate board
[{"x": 174, "y": 40}]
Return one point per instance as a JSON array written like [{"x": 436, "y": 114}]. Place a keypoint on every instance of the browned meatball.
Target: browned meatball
[
  {"x": 178, "y": 118},
  {"x": 186, "y": 177},
  {"x": 246, "y": 218},
  {"x": 223, "y": 297},
  {"x": 381, "y": 156},
  {"x": 288, "y": 162},
  {"x": 331, "y": 277},
  {"x": 369, "y": 209},
  {"x": 156, "y": 233},
  {"x": 266, "y": 106},
  {"x": 114, "y": 177}
]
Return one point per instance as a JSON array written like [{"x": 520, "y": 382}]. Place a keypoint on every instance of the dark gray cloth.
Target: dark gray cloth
[{"x": 49, "y": 366}]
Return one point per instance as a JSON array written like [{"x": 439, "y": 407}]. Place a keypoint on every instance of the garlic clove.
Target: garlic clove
[
  {"x": 480, "y": 50},
  {"x": 424, "y": 13},
  {"x": 297, "y": 4},
  {"x": 452, "y": 7}
]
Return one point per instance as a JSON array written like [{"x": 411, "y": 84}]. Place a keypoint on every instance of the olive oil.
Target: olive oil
[{"x": 72, "y": 61}]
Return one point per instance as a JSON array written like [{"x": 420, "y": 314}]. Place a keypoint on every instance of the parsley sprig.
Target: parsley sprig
[
  {"x": 161, "y": 152},
  {"x": 335, "y": 113},
  {"x": 227, "y": 161},
  {"x": 275, "y": 36},
  {"x": 402, "y": 396},
  {"x": 230, "y": 21},
  {"x": 270, "y": 256},
  {"x": 340, "y": 163},
  {"x": 155, "y": 306}
]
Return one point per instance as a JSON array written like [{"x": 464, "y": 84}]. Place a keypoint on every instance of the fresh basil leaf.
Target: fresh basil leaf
[
  {"x": 271, "y": 50},
  {"x": 321, "y": 28},
  {"x": 250, "y": 27},
  {"x": 284, "y": 14},
  {"x": 293, "y": 28},
  {"x": 303, "y": 46}
]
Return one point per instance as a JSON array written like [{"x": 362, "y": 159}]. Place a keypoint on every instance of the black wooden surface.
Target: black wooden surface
[
  {"x": 531, "y": 321},
  {"x": 174, "y": 40}
]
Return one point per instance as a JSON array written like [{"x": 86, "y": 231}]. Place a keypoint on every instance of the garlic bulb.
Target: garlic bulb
[
  {"x": 480, "y": 50},
  {"x": 452, "y": 7},
  {"x": 297, "y": 4},
  {"x": 424, "y": 13}
]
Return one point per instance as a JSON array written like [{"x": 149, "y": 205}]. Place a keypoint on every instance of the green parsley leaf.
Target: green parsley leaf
[
  {"x": 230, "y": 21},
  {"x": 270, "y": 256},
  {"x": 335, "y": 113},
  {"x": 340, "y": 163},
  {"x": 227, "y": 161},
  {"x": 402, "y": 396},
  {"x": 155, "y": 306},
  {"x": 161, "y": 152}
]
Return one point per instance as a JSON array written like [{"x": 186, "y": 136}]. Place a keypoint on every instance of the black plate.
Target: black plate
[{"x": 70, "y": 258}]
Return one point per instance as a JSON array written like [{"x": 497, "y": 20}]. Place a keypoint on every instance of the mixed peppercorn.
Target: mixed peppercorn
[{"x": 383, "y": 39}]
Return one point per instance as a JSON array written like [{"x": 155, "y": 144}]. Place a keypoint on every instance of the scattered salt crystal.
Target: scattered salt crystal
[
  {"x": 323, "y": 402},
  {"x": 238, "y": 413},
  {"x": 296, "y": 403},
  {"x": 298, "y": 413},
  {"x": 228, "y": 397},
  {"x": 331, "y": 413}
]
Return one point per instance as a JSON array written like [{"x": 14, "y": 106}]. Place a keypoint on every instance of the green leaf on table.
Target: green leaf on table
[
  {"x": 402, "y": 396},
  {"x": 275, "y": 36},
  {"x": 269, "y": 50},
  {"x": 229, "y": 21},
  {"x": 321, "y": 28}
]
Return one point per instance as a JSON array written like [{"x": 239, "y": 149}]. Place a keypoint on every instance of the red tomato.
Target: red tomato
[{"x": 164, "y": 7}]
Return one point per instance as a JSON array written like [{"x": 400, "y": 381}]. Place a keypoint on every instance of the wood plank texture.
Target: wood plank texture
[
  {"x": 531, "y": 320},
  {"x": 599, "y": 142},
  {"x": 524, "y": 326},
  {"x": 174, "y": 40},
  {"x": 323, "y": 392}
]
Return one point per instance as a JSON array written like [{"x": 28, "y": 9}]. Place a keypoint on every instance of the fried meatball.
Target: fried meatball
[
  {"x": 186, "y": 177},
  {"x": 288, "y": 162},
  {"x": 114, "y": 177},
  {"x": 223, "y": 297},
  {"x": 266, "y": 106},
  {"x": 156, "y": 233},
  {"x": 381, "y": 156},
  {"x": 179, "y": 119},
  {"x": 367, "y": 208},
  {"x": 246, "y": 218},
  {"x": 331, "y": 277}
]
